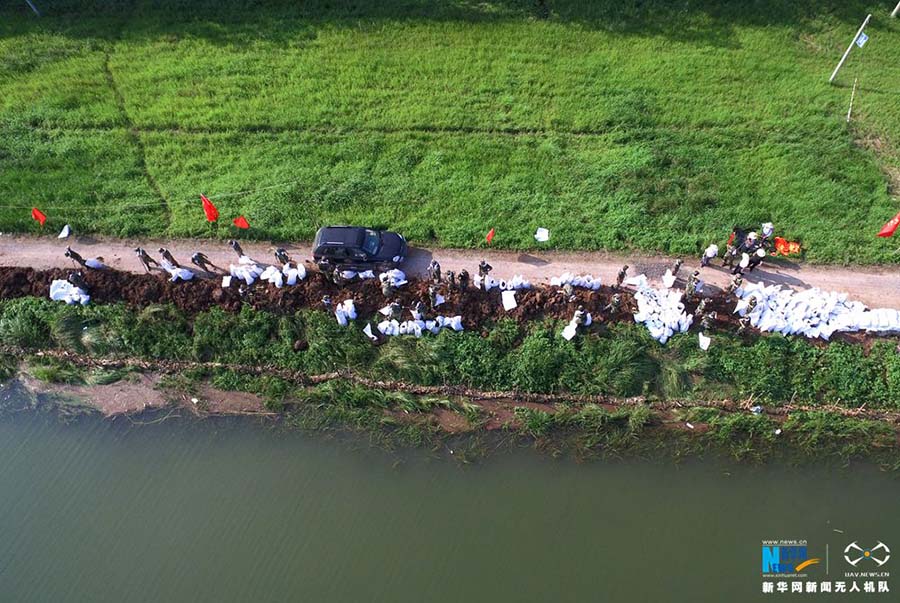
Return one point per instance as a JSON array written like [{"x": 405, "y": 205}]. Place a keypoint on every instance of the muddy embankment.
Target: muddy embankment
[{"x": 477, "y": 307}]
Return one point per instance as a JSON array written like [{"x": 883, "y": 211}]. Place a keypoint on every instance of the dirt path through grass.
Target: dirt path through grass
[{"x": 875, "y": 286}]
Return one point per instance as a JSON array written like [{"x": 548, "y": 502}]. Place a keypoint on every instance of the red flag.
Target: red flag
[
  {"x": 888, "y": 229},
  {"x": 490, "y": 236},
  {"x": 40, "y": 217},
  {"x": 731, "y": 238},
  {"x": 212, "y": 213},
  {"x": 241, "y": 222}
]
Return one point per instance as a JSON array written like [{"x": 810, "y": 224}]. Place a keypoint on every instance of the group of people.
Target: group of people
[{"x": 750, "y": 247}]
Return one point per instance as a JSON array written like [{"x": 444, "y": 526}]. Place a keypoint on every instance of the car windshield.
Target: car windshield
[{"x": 371, "y": 243}]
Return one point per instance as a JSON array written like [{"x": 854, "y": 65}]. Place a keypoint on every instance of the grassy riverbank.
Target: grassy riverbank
[
  {"x": 611, "y": 391},
  {"x": 620, "y": 127}
]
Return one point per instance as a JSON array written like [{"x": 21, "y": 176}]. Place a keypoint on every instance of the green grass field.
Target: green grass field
[{"x": 618, "y": 125}]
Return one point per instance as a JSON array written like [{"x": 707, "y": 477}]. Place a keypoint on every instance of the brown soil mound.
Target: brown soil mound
[{"x": 477, "y": 307}]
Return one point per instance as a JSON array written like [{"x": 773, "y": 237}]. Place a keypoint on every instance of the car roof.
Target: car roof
[{"x": 341, "y": 235}]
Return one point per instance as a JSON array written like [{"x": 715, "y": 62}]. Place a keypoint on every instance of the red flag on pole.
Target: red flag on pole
[
  {"x": 490, "y": 236},
  {"x": 785, "y": 247},
  {"x": 888, "y": 229},
  {"x": 38, "y": 215},
  {"x": 241, "y": 222},
  {"x": 212, "y": 213}
]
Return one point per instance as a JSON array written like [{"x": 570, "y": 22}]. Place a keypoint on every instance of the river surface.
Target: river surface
[{"x": 216, "y": 510}]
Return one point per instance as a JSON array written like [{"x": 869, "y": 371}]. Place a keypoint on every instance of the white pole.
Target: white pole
[
  {"x": 896, "y": 10},
  {"x": 849, "y": 48},
  {"x": 852, "y": 94},
  {"x": 38, "y": 13}
]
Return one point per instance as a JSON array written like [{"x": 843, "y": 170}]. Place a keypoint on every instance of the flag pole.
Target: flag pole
[
  {"x": 849, "y": 48},
  {"x": 896, "y": 10},
  {"x": 852, "y": 94}
]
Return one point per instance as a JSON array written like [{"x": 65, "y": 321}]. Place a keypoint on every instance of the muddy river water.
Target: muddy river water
[{"x": 215, "y": 510}]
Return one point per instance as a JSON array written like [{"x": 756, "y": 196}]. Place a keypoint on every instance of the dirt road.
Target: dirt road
[{"x": 876, "y": 286}]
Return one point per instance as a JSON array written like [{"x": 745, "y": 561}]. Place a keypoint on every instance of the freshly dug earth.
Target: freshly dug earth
[{"x": 477, "y": 307}]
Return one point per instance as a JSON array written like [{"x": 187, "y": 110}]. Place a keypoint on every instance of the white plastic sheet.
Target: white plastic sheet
[{"x": 61, "y": 290}]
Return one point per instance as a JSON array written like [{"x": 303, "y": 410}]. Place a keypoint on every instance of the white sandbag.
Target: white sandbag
[
  {"x": 396, "y": 277},
  {"x": 226, "y": 282},
  {"x": 176, "y": 273},
  {"x": 438, "y": 299},
  {"x": 542, "y": 235},
  {"x": 62, "y": 290},
  {"x": 368, "y": 331},
  {"x": 94, "y": 263},
  {"x": 704, "y": 341},
  {"x": 65, "y": 232},
  {"x": 349, "y": 308},
  {"x": 586, "y": 281},
  {"x": 509, "y": 300},
  {"x": 712, "y": 251},
  {"x": 745, "y": 260},
  {"x": 366, "y": 275},
  {"x": 273, "y": 276},
  {"x": 668, "y": 279},
  {"x": 246, "y": 270},
  {"x": 660, "y": 310},
  {"x": 293, "y": 273},
  {"x": 569, "y": 332}
]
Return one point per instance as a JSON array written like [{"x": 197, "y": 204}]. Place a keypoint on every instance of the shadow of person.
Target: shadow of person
[
  {"x": 770, "y": 278},
  {"x": 417, "y": 261}
]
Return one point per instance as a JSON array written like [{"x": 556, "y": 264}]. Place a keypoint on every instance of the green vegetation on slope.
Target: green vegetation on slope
[
  {"x": 617, "y": 125},
  {"x": 622, "y": 361}
]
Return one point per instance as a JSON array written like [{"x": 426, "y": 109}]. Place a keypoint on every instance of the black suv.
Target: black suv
[{"x": 357, "y": 248}]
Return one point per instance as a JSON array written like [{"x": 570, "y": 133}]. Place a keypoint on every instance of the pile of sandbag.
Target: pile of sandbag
[
  {"x": 61, "y": 290},
  {"x": 488, "y": 282},
  {"x": 660, "y": 310},
  {"x": 391, "y": 328},
  {"x": 345, "y": 312},
  {"x": 812, "y": 312},
  {"x": 288, "y": 274},
  {"x": 352, "y": 274},
  {"x": 246, "y": 270},
  {"x": 177, "y": 273},
  {"x": 584, "y": 281},
  {"x": 396, "y": 277}
]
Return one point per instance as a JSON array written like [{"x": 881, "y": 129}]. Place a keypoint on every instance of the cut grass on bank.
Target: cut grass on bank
[{"x": 616, "y": 126}]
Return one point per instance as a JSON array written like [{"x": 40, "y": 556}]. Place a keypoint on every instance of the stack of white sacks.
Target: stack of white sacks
[
  {"x": 417, "y": 327},
  {"x": 660, "y": 310},
  {"x": 488, "y": 282},
  {"x": 61, "y": 290},
  {"x": 288, "y": 274},
  {"x": 813, "y": 312},
  {"x": 246, "y": 270},
  {"x": 345, "y": 311},
  {"x": 584, "y": 281}
]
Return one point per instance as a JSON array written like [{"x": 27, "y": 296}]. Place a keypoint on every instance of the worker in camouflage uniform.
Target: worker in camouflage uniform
[
  {"x": 736, "y": 281},
  {"x": 676, "y": 266},
  {"x": 690, "y": 289},
  {"x": 201, "y": 261},
  {"x": 743, "y": 325},
  {"x": 620, "y": 278},
  {"x": 387, "y": 286},
  {"x": 396, "y": 311},
  {"x": 329, "y": 305},
  {"x": 167, "y": 255},
  {"x": 484, "y": 269},
  {"x": 77, "y": 278},
  {"x": 418, "y": 310},
  {"x": 701, "y": 308},
  {"x": 236, "y": 247},
  {"x": 463, "y": 279},
  {"x": 75, "y": 256},
  {"x": 614, "y": 304},
  {"x": 451, "y": 280},
  {"x": 579, "y": 316},
  {"x": 708, "y": 321},
  {"x": 434, "y": 271},
  {"x": 432, "y": 296},
  {"x": 282, "y": 257},
  {"x": 145, "y": 258}
]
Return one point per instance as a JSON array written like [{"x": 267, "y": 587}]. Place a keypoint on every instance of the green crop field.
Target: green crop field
[{"x": 621, "y": 125}]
